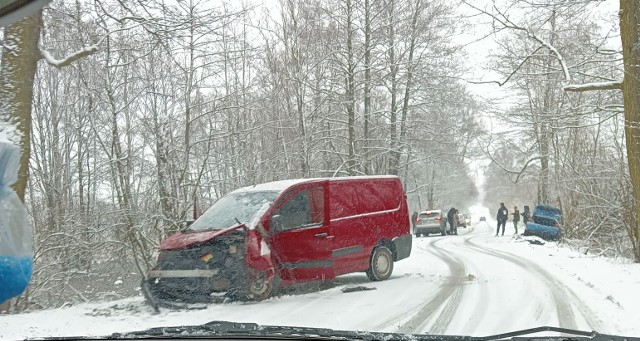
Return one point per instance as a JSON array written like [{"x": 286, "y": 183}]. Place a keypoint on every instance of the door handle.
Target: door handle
[{"x": 322, "y": 235}]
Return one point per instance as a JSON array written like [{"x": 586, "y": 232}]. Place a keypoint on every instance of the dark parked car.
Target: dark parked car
[
  {"x": 433, "y": 221},
  {"x": 545, "y": 223}
]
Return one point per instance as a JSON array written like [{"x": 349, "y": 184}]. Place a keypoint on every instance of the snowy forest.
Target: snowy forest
[{"x": 139, "y": 107}]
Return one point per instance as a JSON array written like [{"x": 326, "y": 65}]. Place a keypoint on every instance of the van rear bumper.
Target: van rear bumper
[{"x": 403, "y": 246}]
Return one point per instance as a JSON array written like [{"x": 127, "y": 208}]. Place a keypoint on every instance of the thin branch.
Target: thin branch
[{"x": 512, "y": 72}]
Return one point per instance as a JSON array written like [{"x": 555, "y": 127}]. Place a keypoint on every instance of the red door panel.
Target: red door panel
[{"x": 301, "y": 243}]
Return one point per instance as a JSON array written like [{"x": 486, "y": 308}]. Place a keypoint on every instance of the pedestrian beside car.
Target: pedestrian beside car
[
  {"x": 414, "y": 219},
  {"x": 451, "y": 218},
  {"x": 456, "y": 222},
  {"x": 525, "y": 215},
  {"x": 501, "y": 217},
  {"x": 516, "y": 218}
]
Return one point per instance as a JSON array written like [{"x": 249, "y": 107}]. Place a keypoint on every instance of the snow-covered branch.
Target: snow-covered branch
[
  {"x": 60, "y": 63},
  {"x": 563, "y": 64},
  {"x": 614, "y": 85}
]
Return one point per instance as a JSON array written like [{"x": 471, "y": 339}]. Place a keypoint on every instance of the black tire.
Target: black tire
[
  {"x": 259, "y": 289},
  {"x": 381, "y": 264}
]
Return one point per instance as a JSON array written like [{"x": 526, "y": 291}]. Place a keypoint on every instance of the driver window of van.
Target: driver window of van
[{"x": 303, "y": 209}]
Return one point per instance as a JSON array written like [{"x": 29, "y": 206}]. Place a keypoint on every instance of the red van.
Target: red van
[{"x": 258, "y": 238}]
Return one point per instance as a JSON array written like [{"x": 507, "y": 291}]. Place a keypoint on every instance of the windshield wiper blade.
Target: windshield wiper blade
[
  {"x": 231, "y": 329},
  {"x": 591, "y": 335}
]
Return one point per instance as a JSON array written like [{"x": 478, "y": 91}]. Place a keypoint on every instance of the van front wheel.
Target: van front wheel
[
  {"x": 259, "y": 289},
  {"x": 381, "y": 264}
]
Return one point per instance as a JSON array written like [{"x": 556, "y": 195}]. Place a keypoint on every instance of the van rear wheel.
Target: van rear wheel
[{"x": 381, "y": 264}]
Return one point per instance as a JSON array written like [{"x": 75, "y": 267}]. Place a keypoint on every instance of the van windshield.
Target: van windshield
[{"x": 231, "y": 208}]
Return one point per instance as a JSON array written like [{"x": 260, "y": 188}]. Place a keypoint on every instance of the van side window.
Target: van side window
[{"x": 303, "y": 209}]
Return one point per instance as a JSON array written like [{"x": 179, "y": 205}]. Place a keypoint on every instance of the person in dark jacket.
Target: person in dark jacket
[
  {"x": 516, "y": 218},
  {"x": 451, "y": 216},
  {"x": 525, "y": 215},
  {"x": 414, "y": 219},
  {"x": 501, "y": 217}
]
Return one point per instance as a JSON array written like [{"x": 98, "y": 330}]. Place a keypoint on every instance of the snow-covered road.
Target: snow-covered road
[{"x": 471, "y": 284}]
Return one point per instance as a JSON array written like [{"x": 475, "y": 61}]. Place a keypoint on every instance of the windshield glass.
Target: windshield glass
[
  {"x": 303, "y": 163},
  {"x": 233, "y": 209}
]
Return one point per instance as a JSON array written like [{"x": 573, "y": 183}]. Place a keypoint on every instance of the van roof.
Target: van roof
[{"x": 281, "y": 185}]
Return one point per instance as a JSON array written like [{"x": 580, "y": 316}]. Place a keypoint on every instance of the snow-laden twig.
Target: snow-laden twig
[
  {"x": 614, "y": 85},
  {"x": 563, "y": 64},
  {"x": 60, "y": 63}
]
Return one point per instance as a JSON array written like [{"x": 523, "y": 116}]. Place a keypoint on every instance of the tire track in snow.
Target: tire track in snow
[
  {"x": 560, "y": 292},
  {"x": 482, "y": 292},
  {"x": 399, "y": 317},
  {"x": 448, "y": 295},
  {"x": 476, "y": 261}
]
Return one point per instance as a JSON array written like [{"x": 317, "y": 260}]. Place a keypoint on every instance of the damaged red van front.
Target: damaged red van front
[{"x": 258, "y": 238}]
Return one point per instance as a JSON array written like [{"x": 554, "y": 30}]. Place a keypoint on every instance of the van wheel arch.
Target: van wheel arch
[
  {"x": 380, "y": 263},
  {"x": 389, "y": 245}
]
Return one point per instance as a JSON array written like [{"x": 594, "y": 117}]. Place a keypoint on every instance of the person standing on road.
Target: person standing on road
[
  {"x": 456, "y": 222},
  {"x": 451, "y": 218},
  {"x": 502, "y": 216},
  {"x": 525, "y": 215},
  {"x": 414, "y": 219},
  {"x": 516, "y": 218}
]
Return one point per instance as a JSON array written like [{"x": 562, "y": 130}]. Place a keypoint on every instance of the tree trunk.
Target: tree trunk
[
  {"x": 407, "y": 89},
  {"x": 547, "y": 107},
  {"x": 19, "y": 61},
  {"x": 629, "y": 32},
  {"x": 367, "y": 84},
  {"x": 351, "y": 115},
  {"x": 393, "y": 166}
]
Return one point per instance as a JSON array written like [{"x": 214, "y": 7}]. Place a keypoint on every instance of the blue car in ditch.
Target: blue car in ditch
[{"x": 546, "y": 223}]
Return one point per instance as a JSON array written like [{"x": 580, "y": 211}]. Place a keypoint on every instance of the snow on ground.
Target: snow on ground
[{"x": 472, "y": 284}]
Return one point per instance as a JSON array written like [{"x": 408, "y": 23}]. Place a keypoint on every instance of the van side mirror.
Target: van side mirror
[{"x": 276, "y": 223}]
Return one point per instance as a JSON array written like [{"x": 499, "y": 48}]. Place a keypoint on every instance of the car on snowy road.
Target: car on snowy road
[
  {"x": 464, "y": 220},
  {"x": 430, "y": 222}
]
